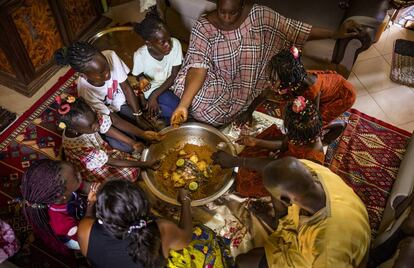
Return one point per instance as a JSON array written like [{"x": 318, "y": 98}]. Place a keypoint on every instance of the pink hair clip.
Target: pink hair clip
[
  {"x": 299, "y": 104},
  {"x": 64, "y": 109},
  {"x": 295, "y": 52}
]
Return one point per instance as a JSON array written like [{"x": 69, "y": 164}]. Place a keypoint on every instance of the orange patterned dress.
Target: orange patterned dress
[{"x": 337, "y": 95}]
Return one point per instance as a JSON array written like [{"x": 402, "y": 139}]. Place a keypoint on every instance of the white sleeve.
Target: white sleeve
[
  {"x": 177, "y": 58},
  {"x": 120, "y": 69},
  {"x": 138, "y": 63},
  {"x": 93, "y": 101},
  {"x": 106, "y": 123}
]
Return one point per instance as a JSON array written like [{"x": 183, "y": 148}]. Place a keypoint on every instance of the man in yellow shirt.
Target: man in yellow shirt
[{"x": 321, "y": 221}]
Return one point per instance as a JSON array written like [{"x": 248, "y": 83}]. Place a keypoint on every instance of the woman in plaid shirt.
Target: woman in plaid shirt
[{"x": 224, "y": 69}]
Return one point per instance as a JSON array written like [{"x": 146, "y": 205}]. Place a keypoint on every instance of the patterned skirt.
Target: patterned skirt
[{"x": 206, "y": 250}]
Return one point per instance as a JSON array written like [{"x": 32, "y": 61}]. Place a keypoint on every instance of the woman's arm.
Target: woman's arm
[
  {"x": 193, "y": 83},
  {"x": 347, "y": 29}
]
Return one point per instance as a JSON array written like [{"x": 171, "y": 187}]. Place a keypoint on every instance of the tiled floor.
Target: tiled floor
[{"x": 377, "y": 96}]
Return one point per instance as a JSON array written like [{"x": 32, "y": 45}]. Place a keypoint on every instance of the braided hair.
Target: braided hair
[
  {"x": 42, "y": 185},
  {"x": 78, "y": 55},
  {"x": 77, "y": 109},
  {"x": 151, "y": 24},
  {"x": 289, "y": 69},
  {"x": 303, "y": 125},
  {"x": 121, "y": 207}
]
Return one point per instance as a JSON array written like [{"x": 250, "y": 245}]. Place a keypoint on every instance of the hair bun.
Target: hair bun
[{"x": 61, "y": 56}]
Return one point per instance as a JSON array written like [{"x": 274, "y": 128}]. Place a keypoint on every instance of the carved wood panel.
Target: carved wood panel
[{"x": 38, "y": 31}]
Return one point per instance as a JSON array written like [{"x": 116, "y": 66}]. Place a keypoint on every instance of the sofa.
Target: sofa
[
  {"x": 338, "y": 55},
  {"x": 398, "y": 203}
]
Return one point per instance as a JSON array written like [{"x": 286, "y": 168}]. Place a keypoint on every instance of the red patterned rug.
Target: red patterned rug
[
  {"x": 33, "y": 136},
  {"x": 367, "y": 156}
]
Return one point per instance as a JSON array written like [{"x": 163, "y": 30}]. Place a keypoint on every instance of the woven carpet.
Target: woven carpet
[
  {"x": 33, "y": 136},
  {"x": 402, "y": 67},
  {"x": 367, "y": 156}
]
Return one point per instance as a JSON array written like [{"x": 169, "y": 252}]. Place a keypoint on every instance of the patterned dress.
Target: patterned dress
[
  {"x": 337, "y": 94},
  {"x": 206, "y": 250},
  {"x": 235, "y": 61},
  {"x": 90, "y": 153}
]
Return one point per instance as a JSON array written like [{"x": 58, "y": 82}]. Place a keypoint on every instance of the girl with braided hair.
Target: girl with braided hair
[
  {"x": 54, "y": 201},
  {"x": 84, "y": 147},
  {"x": 125, "y": 234},
  {"x": 302, "y": 139},
  {"x": 159, "y": 60},
  {"x": 331, "y": 92},
  {"x": 103, "y": 84}
]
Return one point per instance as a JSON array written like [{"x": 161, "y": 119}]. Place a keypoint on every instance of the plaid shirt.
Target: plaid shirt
[{"x": 236, "y": 61}]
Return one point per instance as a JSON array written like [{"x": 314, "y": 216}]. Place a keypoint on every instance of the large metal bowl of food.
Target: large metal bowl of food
[{"x": 185, "y": 162}]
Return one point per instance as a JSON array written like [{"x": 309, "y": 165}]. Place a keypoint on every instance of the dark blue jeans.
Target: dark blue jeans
[
  {"x": 125, "y": 113},
  {"x": 168, "y": 101}
]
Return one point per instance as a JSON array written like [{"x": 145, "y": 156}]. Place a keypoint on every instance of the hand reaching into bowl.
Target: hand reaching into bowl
[
  {"x": 153, "y": 136},
  {"x": 225, "y": 160},
  {"x": 179, "y": 116},
  {"x": 153, "y": 164}
]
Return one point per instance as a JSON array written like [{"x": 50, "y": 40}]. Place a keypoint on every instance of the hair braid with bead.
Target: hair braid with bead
[{"x": 42, "y": 184}]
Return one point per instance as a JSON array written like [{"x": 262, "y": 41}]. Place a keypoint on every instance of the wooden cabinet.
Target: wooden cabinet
[{"x": 30, "y": 32}]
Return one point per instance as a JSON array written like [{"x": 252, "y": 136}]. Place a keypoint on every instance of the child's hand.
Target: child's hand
[
  {"x": 247, "y": 141},
  {"x": 153, "y": 107},
  {"x": 92, "y": 192},
  {"x": 153, "y": 136},
  {"x": 151, "y": 164},
  {"x": 137, "y": 147},
  {"x": 144, "y": 84}
]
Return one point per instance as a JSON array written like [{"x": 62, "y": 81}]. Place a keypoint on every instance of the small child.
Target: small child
[
  {"x": 53, "y": 203},
  {"x": 159, "y": 60},
  {"x": 303, "y": 126},
  {"x": 84, "y": 147},
  {"x": 103, "y": 84},
  {"x": 331, "y": 92}
]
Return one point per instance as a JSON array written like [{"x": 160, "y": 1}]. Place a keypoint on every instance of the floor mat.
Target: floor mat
[
  {"x": 33, "y": 136},
  {"x": 402, "y": 67},
  {"x": 367, "y": 156}
]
